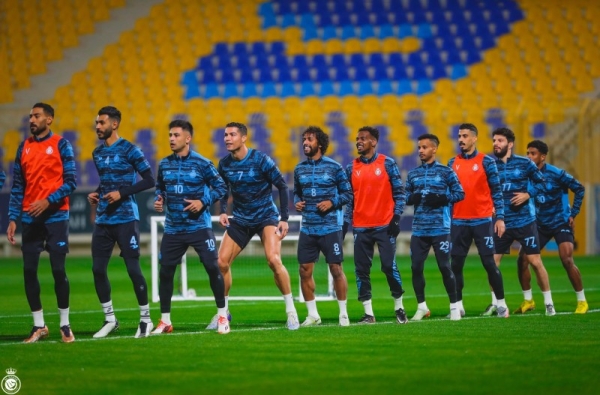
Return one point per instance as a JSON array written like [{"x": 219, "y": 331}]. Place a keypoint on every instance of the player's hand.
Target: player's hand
[
  {"x": 435, "y": 200},
  {"x": 393, "y": 229},
  {"x": 414, "y": 199},
  {"x": 499, "y": 227},
  {"x": 194, "y": 206},
  {"x": 113, "y": 197},
  {"x": 300, "y": 206},
  {"x": 10, "y": 232},
  {"x": 158, "y": 204},
  {"x": 519, "y": 198},
  {"x": 224, "y": 220},
  {"x": 38, "y": 207},
  {"x": 93, "y": 198},
  {"x": 282, "y": 229},
  {"x": 571, "y": 222},
  {"x": 325, "y": 206}
]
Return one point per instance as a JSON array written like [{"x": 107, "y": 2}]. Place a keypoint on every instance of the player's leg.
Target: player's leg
[
  {"x": 441, "y": 248},
  {"x": 491, "y": 249},
  {"x": 271, "y": 241},
  {"x": 332, "y": 247},
  {"x": 128, "y": 239},
  {"x": 364, "y": 248},
  {"x": 205, "y": 245},
  {"x": 308, "y": 254},
  {"x": 57, "y": 245},
  {"x": 102, "y": 247},
  {"x": 234, "y": 241},
  {"x": 31, "y": 247},
  {"x": 419, "y": 249},
  {"x": 172, "y": 249},
  {"x": 387, "y": 253},
  {"x": 462, "y": 237},
  {"x": 565, "y": 240}
]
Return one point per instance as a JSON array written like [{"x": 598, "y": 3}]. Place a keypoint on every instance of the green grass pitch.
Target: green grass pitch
[{"x": 530, "y": 354}]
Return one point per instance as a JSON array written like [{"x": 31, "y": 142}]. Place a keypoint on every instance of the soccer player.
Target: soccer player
[
  {"x": 250, "y": 175},
  {"x": 375, "y": 217},
  {"x": 187, "y": 184},
  {"x": 432, "y": 188},
  {"x": 43, "y": 179},
  {"x": 472, "y": 217},
  {"x": 117, "y": 216},
  {"x": 321, "y": 188},
  {"x": 555, "y": 219},
  {"x": 516, "y": 173}
]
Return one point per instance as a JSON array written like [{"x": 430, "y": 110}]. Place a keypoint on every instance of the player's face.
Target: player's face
[
  {"x": 179, "y": 139},
  {"x": 104, "y": 127},
  {"x": 466, "y": 140},
  {"x": 310, "y": 145},
  {"x": 536, "y": 156},
  {"x": 365, "y": 143},
  {"x": 234, "y": 140},
  {"x": 39, "y": 122},
  {"x": 501, "y": 146},
  {"x": 427, "y": 150}
]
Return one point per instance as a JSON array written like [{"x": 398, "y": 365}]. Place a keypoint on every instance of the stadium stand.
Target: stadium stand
[{"x": 409, "y": 67}]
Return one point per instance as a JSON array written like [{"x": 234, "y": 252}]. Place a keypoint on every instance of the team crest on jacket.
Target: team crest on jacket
[
  {"x": 193, "y": 174},
  {"x": 251, "y": 173},
  {"x": 437, "y": 179},
  {"x": 49, "y": 151},
  {"x": 475, "y": 167},
  {"x": 378, "y": 171},
  {"x": 116, "y": 158},
  {"x": 517, "y": 172}
]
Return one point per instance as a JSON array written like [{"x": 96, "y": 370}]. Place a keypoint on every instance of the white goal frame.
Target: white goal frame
[{"x": 154, "y": 248}]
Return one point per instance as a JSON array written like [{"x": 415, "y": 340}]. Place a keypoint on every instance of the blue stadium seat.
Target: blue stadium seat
[
  {"x": 365, "y": 87},
  {"x": 326, "y": 89},
  {"x": 405, "y": 30},
  {"x": 299, "y": 62},
  {"x": 249, "y": 90},
  {"x": 289, "y": 20},
  {"x": 281, "y": 61},
  {"x": 283, "y": 75},
  {"x": 363, "y": 19},
  {"x": 348, "y": 31},
  {"x": 376, "y": 59},
  {"x": 325, "y": 19},
  {"x": 310, "y": 33},
  {"x": 221, "y": 50},
  {"x": 240, "y": 49},
  {"x": 319, "y": 61},
  {"x": 307, "y": 88},
  {"x": 357, "y": 60},
  {"x": 231, "y": 90},
  {"x": 453, "y": 57},
  {"x": 191, "y": 91},
  {"x": 385, "y": 88},
  {"x": 303, "y": 7},
  {"x": 277, "y": 47},
  {"x": 399, "y": 72},
  {"x": 341, "y": 73},
  {"x": 472, "y": 56},
  {"x": 424, "y": 86},
  {"x": 459, "y": 70},
  {"x": 268, "y": 21},
  {"x": 380, "y": 72},
  {"x": 288, "y": 89},
  {"x": 366, "y": 31},
  {"x": 404, "y": 87},
  {"x": 258, "y": 49},
  {"x": 346, "y": 88},
  {"x": 266, "y": 9},
  {"x": 322, "y": 74},
  {"x": 211, "y": 90},
  {"x": 245, "y": 75},
  {"x": 329, "y": 32},
  {"x": 306, "y": 19},
  {"x": 226, "y": 76},
  {"x": 207, "y": 76},
  {"x": 189, "y": 78},
  {"x": 424, "y": 30},
  {"x": 268, "y": 90},
  {"x": 338, "y": 60},
  {"x": 264, "y": 75},
  {"x": 360, "y": 73},
  {"x": 302, "y": 74},
  {"x": 205, "y": 62},
  {"x": 386, "y": 30}
]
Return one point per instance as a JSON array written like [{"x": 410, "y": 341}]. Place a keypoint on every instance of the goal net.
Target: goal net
[{"x": 252, "y": 278}]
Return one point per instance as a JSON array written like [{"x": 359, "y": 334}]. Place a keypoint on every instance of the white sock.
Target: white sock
[
  {"x": 548, "y": 297},
  {"x": 166, "y": 318},
  {"x": 64, "y": 317},
  {"x": 423, "y": 306},
  {"x": 289, "y": 304},
  {"x": 501, "y": 303},
  {"x": 368, "y": 307},
  {"x": 227, "y": 303},
  {"x": 311, "y": 305},
  {"x": 145, "y": 313},
  {"x": 38, "y": 318},
  {"x": 398, "y": 304},
  {"x": 528, "y": 295},
  {"x": 343, "y": 307},
  {"x": 453, "y": 306},
  {"x": 459, "y": 304},
  {"x": 580, "y": 296},
  {"x": 222, "y": 311},
  {"x": 494, "y": 300},
  {"x": 109, "y": 313}
]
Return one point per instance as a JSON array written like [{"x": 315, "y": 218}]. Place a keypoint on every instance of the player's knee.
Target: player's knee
[{"x": 336, "y": 271}]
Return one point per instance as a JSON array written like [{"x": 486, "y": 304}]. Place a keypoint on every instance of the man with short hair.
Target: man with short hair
[
  {"x": 432, "y": 188},
  {"x": 516, "y": 173},
  {"x": 117, "y": 216},
  {"x": 250, "y": 175},
  {"x": 43, "y": 179},
  {"x": 375, "y": 217},
  {"x": 187, "y": 185},
  {"x": 555, "y": 219},
  {"x": 321, "y": 189},
  {"x": 472, "y": 217}
]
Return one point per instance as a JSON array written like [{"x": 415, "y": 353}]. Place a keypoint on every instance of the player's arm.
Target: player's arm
[
  {"x": 218, "y": 188},
  {"x": 457, "y": 193},
  {"x": 299, "y": 202},
  {"x": 493, "y": 180},
  {"x": 348, "y": 214},
  {"x": 345, "y": 195},
  {"x": 223, "y": 219},
  {"x": 160, "y": 194},
  {"x": 142, "y": 167},
  {"x": 15, "y": 204},
  {"x": 568, "y": 181},
  {"x": 397, "y": 187},
  {"x": 412, "y": 198}
]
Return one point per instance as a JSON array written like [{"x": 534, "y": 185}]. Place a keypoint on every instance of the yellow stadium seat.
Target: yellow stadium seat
[
  {"x": 314, "y": 47},
  {"x": 333, "y": 46},
  {"x": 352, "y": 45},
  {"x": 390, "y": 45},
  {"x": 371, "y": 45},
  {"x": 272, "y": 34}
]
